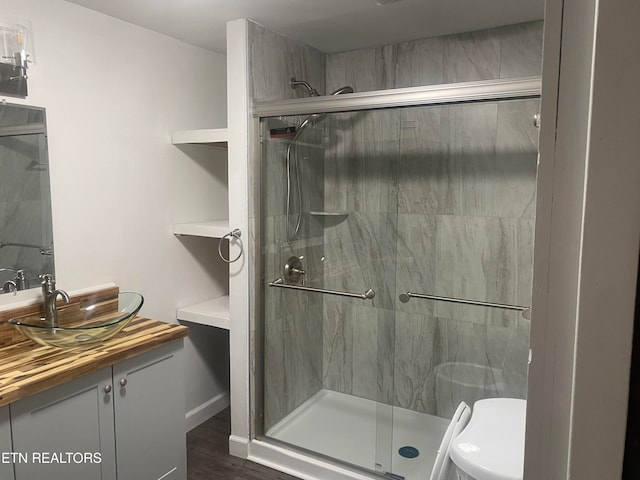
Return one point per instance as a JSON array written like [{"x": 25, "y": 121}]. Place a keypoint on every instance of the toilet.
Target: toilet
[
  {"x": 442, "y": 467},
  {"x": 468, "y": 382},
  {"x": 491, "y": 446}
]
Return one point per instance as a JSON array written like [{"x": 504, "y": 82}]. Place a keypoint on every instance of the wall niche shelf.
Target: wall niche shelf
[
  {"x": 213, "y": 229},
  {"x": 213, "y": 313},
  {"x": 213, "y": 137},
  {"x": 329, "y": 219}
]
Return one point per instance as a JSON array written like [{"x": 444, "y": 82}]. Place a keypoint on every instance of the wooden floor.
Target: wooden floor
[{"x": 208, "y": 457}]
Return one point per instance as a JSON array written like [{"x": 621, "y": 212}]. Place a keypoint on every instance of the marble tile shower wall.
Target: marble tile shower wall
[
  {"x": 361, "y": 162},
  {"x": 293, "y": 320},
  {"x": 274, "y": 59},
  {"x": 440, "y": 200},
  {"x": 504, "y": 52}
]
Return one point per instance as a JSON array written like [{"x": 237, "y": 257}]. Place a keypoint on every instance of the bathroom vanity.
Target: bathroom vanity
[{"x": 112, "y": 411}]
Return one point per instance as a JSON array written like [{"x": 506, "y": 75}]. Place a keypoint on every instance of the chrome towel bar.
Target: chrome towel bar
[
  {"x": 368, "y": 295},
  {"x": 405, "y": 297}
]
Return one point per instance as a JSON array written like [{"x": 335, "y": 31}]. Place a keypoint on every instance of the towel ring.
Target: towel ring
[{"x": 235, "y": 233}]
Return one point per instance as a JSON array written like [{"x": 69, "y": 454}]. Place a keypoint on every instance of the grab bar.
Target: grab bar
[
  {"x": 405, "y": 297},
  {"x": 368, "y": 295}
]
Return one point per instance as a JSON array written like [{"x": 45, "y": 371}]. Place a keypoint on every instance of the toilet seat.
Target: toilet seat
[
  {"x": 443, "y": 463},
  {"x": 491, "y": 447}
]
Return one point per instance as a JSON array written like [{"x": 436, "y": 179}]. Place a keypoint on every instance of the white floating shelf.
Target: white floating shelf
[
  {"x": 214, "y": 313},
  {"x": 215, "y": 137},
  {"x": 214, "y": 229}
]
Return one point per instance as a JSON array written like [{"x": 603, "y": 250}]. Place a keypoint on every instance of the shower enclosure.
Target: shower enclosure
[{"x": 396, "y": 283}]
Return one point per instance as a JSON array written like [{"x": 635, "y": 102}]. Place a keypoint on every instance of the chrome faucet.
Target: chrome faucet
[
  {"x": 19, "y": 282},
  {"x": 50, "y": 294}
]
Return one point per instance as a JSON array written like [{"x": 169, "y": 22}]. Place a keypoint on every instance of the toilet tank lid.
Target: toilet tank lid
[{"x": 491, "y": 447}]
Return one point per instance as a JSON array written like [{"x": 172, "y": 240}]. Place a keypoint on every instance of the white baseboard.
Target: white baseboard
[
  {"x": 238, "y": 446},
  {"x": 206, "y": 410}
]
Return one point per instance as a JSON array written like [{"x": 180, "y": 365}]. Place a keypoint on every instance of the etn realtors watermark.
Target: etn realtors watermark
[{"x": 71, "y": 458}]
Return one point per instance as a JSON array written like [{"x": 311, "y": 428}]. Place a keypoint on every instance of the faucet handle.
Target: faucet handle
[
  {"x": 48, "y": 283},
  {"x": 21, "y": 280}
]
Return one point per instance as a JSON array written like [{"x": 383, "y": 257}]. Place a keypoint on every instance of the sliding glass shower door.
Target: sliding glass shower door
[
  {"x": 329, "y": 271},
  {"x": 396, "y": 257}
]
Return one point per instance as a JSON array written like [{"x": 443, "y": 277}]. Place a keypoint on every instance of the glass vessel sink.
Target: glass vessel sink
[{"x": 82, "y": 324}]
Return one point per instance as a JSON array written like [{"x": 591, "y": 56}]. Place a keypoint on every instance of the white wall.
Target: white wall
[
  {"x": 610, "y": 244},
  {"x": 239, "y": 147},
  {"x": 561, "y": 176},
  {"x": 587, "y": 239},
  {"x": 113, "y": 94}
]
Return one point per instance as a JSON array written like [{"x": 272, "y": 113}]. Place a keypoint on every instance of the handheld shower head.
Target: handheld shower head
[
  {"x": 316, "y": 118},
  {"x": 312, "y": 119},
  {"x": 292, "y": 158}
]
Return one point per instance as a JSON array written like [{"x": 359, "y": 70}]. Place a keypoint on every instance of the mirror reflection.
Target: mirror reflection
[{"x": 26, "y": 232}]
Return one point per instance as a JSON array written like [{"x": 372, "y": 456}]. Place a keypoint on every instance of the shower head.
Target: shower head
[
  {"x": 345, "y": 89},
  {"x": 293, "y": 83},
  {"x": 312, "y": 119},
  {"x": 316, "y": 118}
]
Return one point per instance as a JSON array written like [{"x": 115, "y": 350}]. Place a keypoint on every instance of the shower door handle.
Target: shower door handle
[
  {"x": 368, "y": 295},
  {"x": 526, "y": 311}
]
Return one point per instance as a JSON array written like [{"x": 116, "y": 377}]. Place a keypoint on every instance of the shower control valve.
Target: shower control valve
[{"x": 293, "y": 270}]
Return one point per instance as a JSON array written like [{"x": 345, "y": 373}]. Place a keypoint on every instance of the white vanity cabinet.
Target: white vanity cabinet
[
  {"x": 6, "y": 466},
  {"x": 73, "y": 418},
  {"x": 149, "y": 410},
  {"x": 125, "y": 421}
]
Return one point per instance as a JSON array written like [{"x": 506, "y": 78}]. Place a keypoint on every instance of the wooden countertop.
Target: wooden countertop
[{"x": 27, "y": 368}]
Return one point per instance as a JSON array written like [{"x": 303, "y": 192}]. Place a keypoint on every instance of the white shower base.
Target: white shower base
[{"x": 344, "y": 427}]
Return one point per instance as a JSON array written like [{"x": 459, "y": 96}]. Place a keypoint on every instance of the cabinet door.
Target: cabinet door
[
  {"x": 66, "y": 432},
  {"x": 6, "y": 459},
  {"x": 149, "y": 415}
]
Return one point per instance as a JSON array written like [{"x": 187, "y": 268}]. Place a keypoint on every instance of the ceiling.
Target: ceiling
[{"x": 328, "y": 25}]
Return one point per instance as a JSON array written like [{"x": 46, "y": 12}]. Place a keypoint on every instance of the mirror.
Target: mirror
[{"x": 26, "y": 231}]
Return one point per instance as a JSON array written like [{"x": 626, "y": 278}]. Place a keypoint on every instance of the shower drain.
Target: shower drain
[{"x": 408, "y": 452}]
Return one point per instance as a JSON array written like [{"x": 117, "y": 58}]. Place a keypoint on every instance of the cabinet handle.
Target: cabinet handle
[
  {"x": 123, "y": 382},
  {"x": 107, "y": 389}
]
